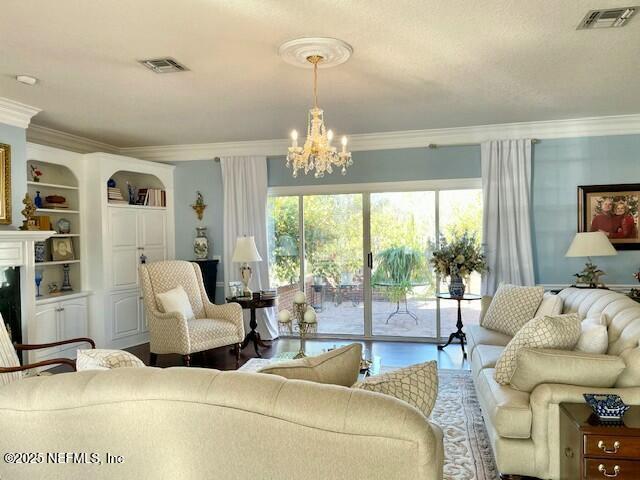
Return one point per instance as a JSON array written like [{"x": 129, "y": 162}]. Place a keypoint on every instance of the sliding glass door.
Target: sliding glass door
[{"x": 363, "y": 259}]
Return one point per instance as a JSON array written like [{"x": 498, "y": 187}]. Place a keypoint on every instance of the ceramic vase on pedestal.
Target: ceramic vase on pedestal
[
  {"x": 201, "y": 244},
  {"x": 456, "y": 286}
]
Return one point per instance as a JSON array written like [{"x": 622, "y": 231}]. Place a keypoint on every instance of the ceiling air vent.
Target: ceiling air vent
[
  {"x": 608, "y": 18},
  {"x": 163, "y": 65}
]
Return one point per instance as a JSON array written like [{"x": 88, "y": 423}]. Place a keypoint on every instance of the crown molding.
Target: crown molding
[
  {"x": 550, "y": 129},
  {"x": 15, "y": 113},
  {"x": 577, "y": 127},
  {"x": 67, "y": 141}
]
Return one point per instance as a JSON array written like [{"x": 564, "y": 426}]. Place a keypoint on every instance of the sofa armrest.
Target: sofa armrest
[
  {"x": 168, "y": 332},
  {"x": 537, "y": 366}
]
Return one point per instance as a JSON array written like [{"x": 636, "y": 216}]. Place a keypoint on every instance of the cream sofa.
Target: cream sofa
[
  {"x": 195, "y": 424},
  {"x": 523, "y": 427}
]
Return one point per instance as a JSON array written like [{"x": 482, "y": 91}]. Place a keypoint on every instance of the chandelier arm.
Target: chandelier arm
[{"x": 315, "y": 84}]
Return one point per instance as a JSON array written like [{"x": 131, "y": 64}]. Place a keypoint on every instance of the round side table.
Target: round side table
[
  {"x": 252, "y": 304},
  {"x": 459, "y": 334}
]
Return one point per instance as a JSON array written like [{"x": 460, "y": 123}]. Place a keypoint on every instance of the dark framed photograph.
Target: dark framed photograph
[{"x": 613, "y": 210}]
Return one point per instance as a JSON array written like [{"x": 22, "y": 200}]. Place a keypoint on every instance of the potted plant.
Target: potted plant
[
  {"x": 398, "y": 267},
  {"x": 457, "y": 259}
]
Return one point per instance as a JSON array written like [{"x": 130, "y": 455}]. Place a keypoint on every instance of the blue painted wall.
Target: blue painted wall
[
  {"x": 559, "y": 166},
  {"x": 190, "y": 177},
  {"x": 17, "y": 138}
]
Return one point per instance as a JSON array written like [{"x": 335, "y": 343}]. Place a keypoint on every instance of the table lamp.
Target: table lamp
[
  {"x": 590, "y": 244},
  {"x": 244, "y": 253}
]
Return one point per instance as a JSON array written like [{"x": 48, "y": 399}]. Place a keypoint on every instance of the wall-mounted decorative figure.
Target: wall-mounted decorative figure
[{"x": 199, "y": 206}]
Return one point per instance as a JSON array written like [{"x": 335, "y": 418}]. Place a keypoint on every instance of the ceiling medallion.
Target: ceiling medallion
[{"x": 317, "y": 153}]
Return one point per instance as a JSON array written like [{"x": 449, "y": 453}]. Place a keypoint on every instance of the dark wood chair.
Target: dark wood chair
[{"x": 10, "y": 368}]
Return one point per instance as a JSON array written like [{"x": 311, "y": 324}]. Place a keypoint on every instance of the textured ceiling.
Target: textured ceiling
[{"x": 416, "y": 64}]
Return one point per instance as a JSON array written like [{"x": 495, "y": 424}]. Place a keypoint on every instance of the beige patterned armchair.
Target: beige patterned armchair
[{"x": 213, "y": 326}]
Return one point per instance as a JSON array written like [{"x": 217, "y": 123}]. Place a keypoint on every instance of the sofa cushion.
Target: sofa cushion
[
  {"x": 103, "y": 359},
  {"x": 175, "y": 300},
  {"x": 485, "y": 356},
  {"x": 550, "y": 305},
  {"x": 537, "y": 366},
  {"x": 338, "y": 367},
  {"x": 630, "y": 376},
  {"x": 561, "y": 331},
  {"x": 417, "y": 385},
  {"x": 512, "y": 307},
  {"x": 478, "y": 335},
  {"x": 594, "y": 337},
  {"x": 508, "y": 409}
]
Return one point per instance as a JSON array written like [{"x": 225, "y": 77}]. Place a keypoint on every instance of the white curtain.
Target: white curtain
[
  {"x": 245, "y": 213},
  {"x": 506, "y": 224}
]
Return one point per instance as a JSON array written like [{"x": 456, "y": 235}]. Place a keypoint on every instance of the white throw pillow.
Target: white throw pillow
[
  {"x": 103, "y": 359},
  {"x": 511, "y": 308},
  {"x": 417, "y": 385},
  {"x": 176, "y": 300},
  {"x": 594, "y": 337},
  {"x": 560, "y": 332}
]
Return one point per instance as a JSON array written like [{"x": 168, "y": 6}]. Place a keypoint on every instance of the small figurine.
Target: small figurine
[
  {"x": 29, "y": 214},
  {"x": 199, "y": 206},
  {"x": 36, "y": 173},
  {"x": 590, "y": 275}
]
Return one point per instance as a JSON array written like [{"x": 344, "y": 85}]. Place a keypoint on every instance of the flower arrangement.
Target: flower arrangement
[
  {"x": 36, "y": 173},
  {"x": 458, "y": 257}
]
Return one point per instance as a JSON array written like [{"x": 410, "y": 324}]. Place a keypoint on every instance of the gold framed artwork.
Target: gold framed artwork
[
  {"x": 5, "y": 184},
  {"x": 613, "y": 210},
  {"x": 61, "y": 249}
]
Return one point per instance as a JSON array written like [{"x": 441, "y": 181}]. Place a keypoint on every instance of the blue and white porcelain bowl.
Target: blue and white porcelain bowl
[{"x": 606, "y": 406}]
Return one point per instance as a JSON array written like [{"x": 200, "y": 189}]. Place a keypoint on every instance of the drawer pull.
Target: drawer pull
[
  {"x": 602, "y": 469},
  {"x": 602, "y": 446}
]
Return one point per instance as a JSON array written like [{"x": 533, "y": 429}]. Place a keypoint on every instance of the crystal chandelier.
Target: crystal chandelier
[{"x": 317, "y": 153}]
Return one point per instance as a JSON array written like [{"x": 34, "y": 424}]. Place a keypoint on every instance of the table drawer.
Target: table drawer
[
  {"x": 611, "y": 446},
  {"x": 595, "y": 468}
]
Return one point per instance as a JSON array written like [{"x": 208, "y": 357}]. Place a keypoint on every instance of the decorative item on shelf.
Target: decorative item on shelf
[
  {"x": 111, "y": 183},
  {"x": 29, "y": 214},
  {"x": 38, "y": 280},
  {"x": 114, "y": 195},
  {"x": 317, "y": 153},
  {"x": 131, "y": 190},
  {"x": 40, "y": 252},
  {"x": 201, "y": 244},
  {"x": 590, "y": 244},
  {"x": 634, "y": 293},
  {"x": 63, "y": 226},
  {"x": 56, "y": 201},
  {"x": 306, "y": 321},
  {"x": 244, "y": 253},
  {"x": 457, "y": 259},
  {"x": 37, "y": 200},
  {"x": 62, "y": 249},
  {"x": 53, "y": 288},
  {"x": 66, "y": 282},
  {"x": 43, "y": 222},
  {"x": 613, "y": 210},
  {"x": 199, "y": 206},
  {"x": 606, "y": 406},
  {"x": 36, "y": 173},
  {"x": 5, "y": 184}
]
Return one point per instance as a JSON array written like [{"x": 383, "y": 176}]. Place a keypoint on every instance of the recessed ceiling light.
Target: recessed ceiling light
[{"x": 27, "y": 79}]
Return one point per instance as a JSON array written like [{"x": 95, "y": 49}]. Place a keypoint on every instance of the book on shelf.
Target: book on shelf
[{"x": 152, "y": 197}]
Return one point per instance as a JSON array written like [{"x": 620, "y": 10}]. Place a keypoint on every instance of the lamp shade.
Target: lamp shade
[
  {"x": 246, "y": 251},
  {"x": 590, "y": 244}
]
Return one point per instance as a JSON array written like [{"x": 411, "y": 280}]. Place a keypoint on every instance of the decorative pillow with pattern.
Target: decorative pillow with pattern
[
  {"x": 417, "y": 385},
  {"x": 511, "y": 308},
  {"x": 102, "y": 359},
  {"x": 560, "y": 332}
]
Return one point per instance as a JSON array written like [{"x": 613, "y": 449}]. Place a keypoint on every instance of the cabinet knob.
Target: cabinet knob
[
  {"x": 602, "y": 446},
  {"x": 603, "y": 470}
]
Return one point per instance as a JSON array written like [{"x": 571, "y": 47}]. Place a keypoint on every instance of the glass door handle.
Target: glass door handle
[{"x": 370, "y": 260}]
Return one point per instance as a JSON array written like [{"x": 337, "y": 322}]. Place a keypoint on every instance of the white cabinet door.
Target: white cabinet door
[
  {"x": 45, "y": 330},
  {"x": 152, "y": 231},
  {"x": 125, "y": 311},
  {"x": 125, "y": 251},
  {"x": 73, "y": 324}
]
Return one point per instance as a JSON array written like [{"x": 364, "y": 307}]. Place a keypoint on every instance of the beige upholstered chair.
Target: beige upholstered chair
[
  {"x": 10, "y": 368},
  {"x": 170, "y": 332}
]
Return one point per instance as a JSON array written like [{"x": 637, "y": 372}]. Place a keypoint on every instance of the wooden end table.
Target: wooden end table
[
  {"x": 252, "y": 304},
  {"x": 459, "y": 334},
  {"x": 590, "y": 448}
]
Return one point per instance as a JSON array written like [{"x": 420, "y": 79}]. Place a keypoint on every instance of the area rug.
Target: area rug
[{"x": 467, "y": 451}]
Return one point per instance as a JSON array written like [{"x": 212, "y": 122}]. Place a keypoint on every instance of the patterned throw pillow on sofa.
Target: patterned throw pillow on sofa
[
  {"x": 417, "y": 385},
  {"x": 511, "y": 308},
  {"x": 103, "y": 359},
  {"x": 559, "y": 332}
]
